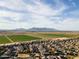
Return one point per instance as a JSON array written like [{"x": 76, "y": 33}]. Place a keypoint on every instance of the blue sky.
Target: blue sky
[{"x": 59, "y": 14}]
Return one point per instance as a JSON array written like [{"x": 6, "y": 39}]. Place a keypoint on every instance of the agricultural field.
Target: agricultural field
[
  {"x": 3, "y": 40},
  {"x": 16, "y": 38},
  {"x": 47, "y": 35},
  {"x": 28, "y": 36},
  {"x": 59, "y": 35}
]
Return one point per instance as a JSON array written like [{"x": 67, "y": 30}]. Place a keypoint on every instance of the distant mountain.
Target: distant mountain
[
  {"x": 42, "y": 30},
  {"x": 31, "y": 30},
  {"x": 19, "y": 30},
  {"x": 14, "y": 30}
]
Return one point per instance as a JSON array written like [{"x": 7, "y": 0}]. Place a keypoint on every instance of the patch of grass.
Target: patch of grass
[
  {"x": 17, "y": 38},
  {"x": 3, "y": 40}
]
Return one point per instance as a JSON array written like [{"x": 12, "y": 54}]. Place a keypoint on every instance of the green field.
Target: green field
[
  {"x": 3, "y": 40},
  {"x": 47, "y": 35},
  {"x": 16, "y": 38},
  {"x": 58, "y": 35},
  {"x": 9, "y": 38}
]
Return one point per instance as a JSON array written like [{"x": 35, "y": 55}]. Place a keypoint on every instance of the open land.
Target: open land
[
  {"x": 9, "y": 37},
  {"x": 32, "y": 45}
]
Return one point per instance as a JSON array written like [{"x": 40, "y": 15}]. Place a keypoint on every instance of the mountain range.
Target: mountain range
[{"x": 31, "y": 30}]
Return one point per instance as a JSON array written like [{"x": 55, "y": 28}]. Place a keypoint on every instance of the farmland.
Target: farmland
[
  {"x": 3, "y": 40},
  {"x": 46, "y": 35},
  {"x": 9, "y": 37},
  {"x": 22, "y": 38},
  {"x": 16, "y": 38}
]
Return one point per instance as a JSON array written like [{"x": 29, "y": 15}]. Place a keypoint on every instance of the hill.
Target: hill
[
  {"x": 31, "y": 30},
  {"x": 42, "y": 30}
]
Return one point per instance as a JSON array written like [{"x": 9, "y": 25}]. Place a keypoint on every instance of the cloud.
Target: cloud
[
  {"x": 13, "y": 4},
  {"x": 35, "y": 13},
  {"x": 69, "y": 24}
]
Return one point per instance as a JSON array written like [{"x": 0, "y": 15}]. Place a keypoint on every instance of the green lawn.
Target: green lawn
[
  {"x": 17, "y": 38},
  {"x": 3, "y": 40}
]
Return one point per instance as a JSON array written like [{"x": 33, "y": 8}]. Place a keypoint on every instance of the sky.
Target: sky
[{"x": 58, "y": 14}]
